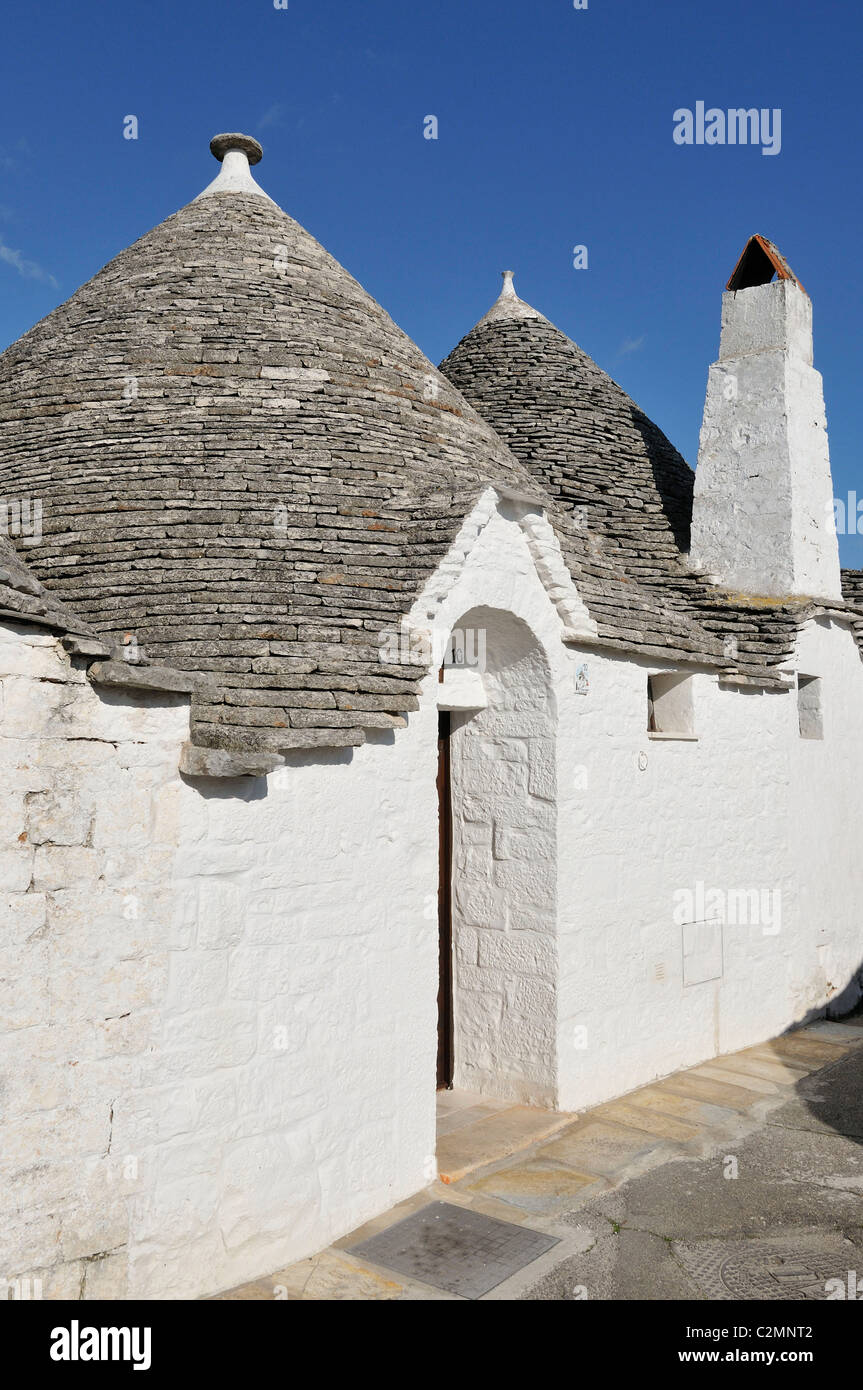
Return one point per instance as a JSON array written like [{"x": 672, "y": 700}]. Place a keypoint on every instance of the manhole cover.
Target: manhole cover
[
  {"x": 454, "y": 1249},
  {"x": 763, "y": 1269}
]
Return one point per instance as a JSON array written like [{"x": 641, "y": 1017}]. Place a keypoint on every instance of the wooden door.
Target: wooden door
[{"x": 444, "y": 998}]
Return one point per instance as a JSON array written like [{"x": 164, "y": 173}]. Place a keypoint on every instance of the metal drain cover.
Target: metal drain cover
[
  {"x": 753, "y": 1269},
  {"x": 454, "y": 1249}
]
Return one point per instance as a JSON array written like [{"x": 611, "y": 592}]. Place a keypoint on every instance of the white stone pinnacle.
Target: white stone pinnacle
[
  {"x": 508, "y": 305},
  {"x": 235, "y": 152}
]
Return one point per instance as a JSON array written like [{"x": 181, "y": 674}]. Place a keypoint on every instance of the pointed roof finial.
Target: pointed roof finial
[
  {"x": 235, "y": 152},
  {"x": 508, "y": 305}
]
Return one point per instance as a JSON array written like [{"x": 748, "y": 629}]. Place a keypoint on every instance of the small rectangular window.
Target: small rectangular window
[
  {"x": 809, "y": 707},
  {"x": 669, "y": 706}
]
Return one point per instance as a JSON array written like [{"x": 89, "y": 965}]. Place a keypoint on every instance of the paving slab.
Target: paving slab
[
  {"x": 262, "y": 1291},
  {"x": 466, "y": 1150},
  {"x": 803, "y": 1047},
  {"x": 796, "y": 1067},
  {"x": 706, "y": 1089},
  {"x": 450, "y": 1121},
  {"x": 778, "y": 1069},
  {"x": 834, "y": 1032},
  {"x": 454, "y": 1099},
  {"x": 709, "y": 1118},
  {"x": 740, "y": 1178},
  {"x": 537, "y": 1186},
  {"x": 333, "y": 1277},
  {"x": 652, "y": 1121},
  {"x": 602, "y": 1148},
  {"x": 760, "y": 1085}
]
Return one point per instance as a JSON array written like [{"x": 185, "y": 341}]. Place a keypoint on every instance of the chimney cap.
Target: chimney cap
[
  {"x": 220, "y": 145},
  {"x": 759, "y": 262}
]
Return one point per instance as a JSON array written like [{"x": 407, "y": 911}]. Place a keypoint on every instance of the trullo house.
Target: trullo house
[{"x": 368, "y": 728}]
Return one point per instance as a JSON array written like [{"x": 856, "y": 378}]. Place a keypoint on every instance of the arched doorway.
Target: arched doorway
[{"x": 498, "y": 791}]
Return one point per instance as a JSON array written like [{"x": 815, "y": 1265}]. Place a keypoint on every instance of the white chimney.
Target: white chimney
[{"x": 762, "y": 520}]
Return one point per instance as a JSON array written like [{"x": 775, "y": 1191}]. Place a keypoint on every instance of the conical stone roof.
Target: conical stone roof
[
  {"x": 624, "y": 487},
  {"x": 245, "y": 464},
  {"x": 579, "y": 430}
]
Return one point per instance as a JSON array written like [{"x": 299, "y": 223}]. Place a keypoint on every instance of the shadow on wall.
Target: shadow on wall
[
  {"x": 258, "y": 788},
  {"x": 848, "y": 1001},
  {"x": 228, "y": 788}
]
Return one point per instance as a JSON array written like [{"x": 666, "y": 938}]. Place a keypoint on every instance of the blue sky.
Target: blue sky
[{"x": 555, "y": 130}]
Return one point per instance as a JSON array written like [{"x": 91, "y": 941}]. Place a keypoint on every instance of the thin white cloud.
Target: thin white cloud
[
  {"x": 631, "y": 345},
  {"x": 272, "y": 116},
  {"x": 28, "y": 270}
]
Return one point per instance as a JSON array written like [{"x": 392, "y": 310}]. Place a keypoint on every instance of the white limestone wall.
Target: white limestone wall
[
  {"x": 505, "y": 802},
  {"x": 825, "y": 790},
  {"x": 647, "y": 986},
  {"x": 87, "y": 930},
  {"x": 505, "y": 872},
  {"x": 292, "y": 1095},
  {"x": 681, "y": 934},
  {"x": 218, "y": 1008},
  {"x": 640, "y": 820}
]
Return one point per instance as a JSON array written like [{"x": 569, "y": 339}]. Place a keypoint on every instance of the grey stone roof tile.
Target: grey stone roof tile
[{"x": 24, "y": 597}]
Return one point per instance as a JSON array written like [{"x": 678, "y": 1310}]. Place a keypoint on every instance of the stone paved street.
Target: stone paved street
[{"x": 738, "y": 1179}]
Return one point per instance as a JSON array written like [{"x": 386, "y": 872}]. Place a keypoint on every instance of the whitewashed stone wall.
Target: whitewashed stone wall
[
  {"x": 825, "y": 795},
  {"x": 505, "y": 872},
  {"x": 643, "y": 822},
  {"x": 505, "y": 766},
  {"x": 748, "y": 807},
  {"x": 219, "y": 999},
  {"x": 292, "y": 1096},
  {"x": 87, "y": 926}
]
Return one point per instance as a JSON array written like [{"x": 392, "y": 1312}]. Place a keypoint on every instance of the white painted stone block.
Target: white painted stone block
[
  {"x": 58, "y": 816},
  {"x": 16, "y": 868},
  {"x": 220, "y": 914},
  {"x": 65, "y": 866}
]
